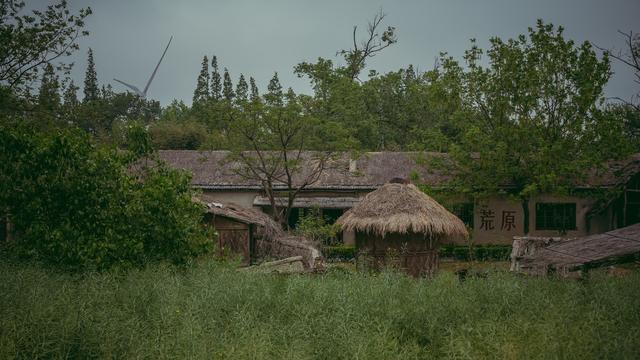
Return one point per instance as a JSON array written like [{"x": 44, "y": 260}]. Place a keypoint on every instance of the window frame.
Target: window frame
[{"x": 548, "y": 212}]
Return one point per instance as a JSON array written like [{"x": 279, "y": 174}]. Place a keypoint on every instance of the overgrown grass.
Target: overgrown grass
[{"x": 211, "y": 311}]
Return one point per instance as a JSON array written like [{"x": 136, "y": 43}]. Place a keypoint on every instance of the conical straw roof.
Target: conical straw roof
[{"x": 402, "y": 208}]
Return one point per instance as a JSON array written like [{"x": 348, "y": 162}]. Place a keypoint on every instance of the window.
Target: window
[
  {"x": 556, "y": 216},
  {"x": 465, "y": 212},
  {"x": 332, "y": 215}
]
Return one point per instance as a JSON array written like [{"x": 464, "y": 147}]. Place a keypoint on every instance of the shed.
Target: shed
[
  {"x": 240, "y": 229},
  {"x": 563, "y": 257},
  {"x": 400, "y": 220}
]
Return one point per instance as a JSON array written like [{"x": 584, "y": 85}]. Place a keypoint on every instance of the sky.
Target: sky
[{"x": 258, "y": 38}]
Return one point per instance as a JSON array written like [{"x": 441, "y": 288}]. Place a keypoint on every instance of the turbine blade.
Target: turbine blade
[
  {"x": 132, "y": 87},
  {"x": 157, "y": 66}
]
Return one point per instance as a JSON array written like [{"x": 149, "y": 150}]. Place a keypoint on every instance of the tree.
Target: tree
[
  {"x": 32, "y": 41},
  {"x": 49, "y": 93},
  {"x": 201, "y": 93},
  {"x": 216, "y": 82},
  {"x": 339, "y": 99},
  {"x": 91, "y": 92},
  {"x": 81, "y": 206},
  {"x": 70, "y": 96},
  {"x": 374, "y": 43},
  {"x": 631, "y": 58},
  {"x": 274, "y": 96},
  {"x": 255, "y": 94},
  {"x": 242, "y": 89},
  {"x": 227, "y": 87},
  {"x": 269, "y": 140},
  {"x": 534, "y": 116}
]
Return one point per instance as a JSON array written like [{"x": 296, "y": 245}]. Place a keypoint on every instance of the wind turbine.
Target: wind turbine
[{"x": 143, "y": 94}]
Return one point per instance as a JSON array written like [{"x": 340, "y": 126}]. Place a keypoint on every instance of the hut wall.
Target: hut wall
[
  {"x": 233, "y": 237},
  {"x": 410, "y": 252}
]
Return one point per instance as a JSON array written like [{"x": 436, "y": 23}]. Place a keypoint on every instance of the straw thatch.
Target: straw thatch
[
  {"x": 402, "y": 208},
  {"x": 233, "y": 211}
]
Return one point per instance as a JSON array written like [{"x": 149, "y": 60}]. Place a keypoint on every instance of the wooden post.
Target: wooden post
[
  {"x": 252, "y": 244},
  {"x": 624, "y": 209}
]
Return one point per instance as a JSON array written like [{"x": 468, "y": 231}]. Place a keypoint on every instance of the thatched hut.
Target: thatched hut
[
  {"x": 399, "y": 222},
  {"x": 240, "y": 229}
]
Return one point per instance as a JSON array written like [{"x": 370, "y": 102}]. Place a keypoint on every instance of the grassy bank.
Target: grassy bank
[{"x": 211, "y": 311}]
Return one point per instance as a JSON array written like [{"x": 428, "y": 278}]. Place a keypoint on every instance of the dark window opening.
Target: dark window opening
[
  {"x": 332, "y": 215},
  {"x": 556, "y": 216},
  {"x": 294, "y": 217},
  {"x": 464, "y": 211}
]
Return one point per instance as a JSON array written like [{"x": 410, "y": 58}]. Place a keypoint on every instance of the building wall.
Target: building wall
[
  {"x": 242, "y": 198},
  {"x": 496, "y": 220}
]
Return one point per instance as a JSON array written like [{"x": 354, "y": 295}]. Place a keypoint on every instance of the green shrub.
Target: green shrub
[
  {"x": 82, "y": 206},
  {"x": 477, "y": 252},
  {"x": 314, "y": 227},
  {"x": 339, "y": 252}
]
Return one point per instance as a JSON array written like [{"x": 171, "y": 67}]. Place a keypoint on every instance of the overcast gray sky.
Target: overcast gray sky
[{"x": 259, "y": 37}]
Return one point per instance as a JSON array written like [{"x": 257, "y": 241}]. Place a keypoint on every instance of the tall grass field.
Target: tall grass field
[{"x": 211, "y": 311}]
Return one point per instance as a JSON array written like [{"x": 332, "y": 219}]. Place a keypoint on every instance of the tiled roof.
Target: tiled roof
[{"x": 214, "y": 170}]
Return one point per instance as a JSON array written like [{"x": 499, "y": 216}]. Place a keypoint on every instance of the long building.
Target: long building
[{"x": 493, "y": 220}]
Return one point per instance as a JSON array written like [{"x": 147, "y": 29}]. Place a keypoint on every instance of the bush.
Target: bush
[
  {"x": 81, "y": 206},
  {"x": 186, "y": 135},
  {"x": 314, "y": 227},
  {"x": 339, "y": 252},
  {"x": 478, "y": 252}
]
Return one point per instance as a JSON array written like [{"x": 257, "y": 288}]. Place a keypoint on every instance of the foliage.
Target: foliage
[
  {"x": 276, "y": 129},
  {"x": 630, "y": 57},
  {"x": 82, "y": 206},
  {"x": 201, "y": 93},
  {"x": 216, "y": 82},
  {"x": 210, "y": 311},
  {"x": 90, "y": 79},
  {"x": 534, "y": 124},
  {"x": 314, "y": 226},
  {"x": 476, "y": 252},
  {"x": 30, "y": 41},
  {"x": 339, "y": 252},
  {"x": 188, "y": 135}
]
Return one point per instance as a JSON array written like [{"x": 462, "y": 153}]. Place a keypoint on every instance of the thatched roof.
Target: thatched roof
[
  {"x": 245, "y": 215},
  {"x": 402, "y": 208}
]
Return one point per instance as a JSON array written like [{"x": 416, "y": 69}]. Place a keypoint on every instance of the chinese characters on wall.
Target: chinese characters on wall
[{"x": 490, "y": 221}]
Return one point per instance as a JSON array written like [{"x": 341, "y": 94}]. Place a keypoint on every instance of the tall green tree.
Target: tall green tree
[
  {"x": 216, "y": 80},
  {"x": 49, "y": 93},
  {"x": 255, "y": 94},
  {"x": 536, "y": 115},
  {"x": 227, "y": 86},
  {"x": 242, "y": 89},
  {"x": 201, "y": 92},
  {"x": 70, "y": 95},
  {"x": 274, "y": 95},
  {"x": 91, "y": 92}
]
